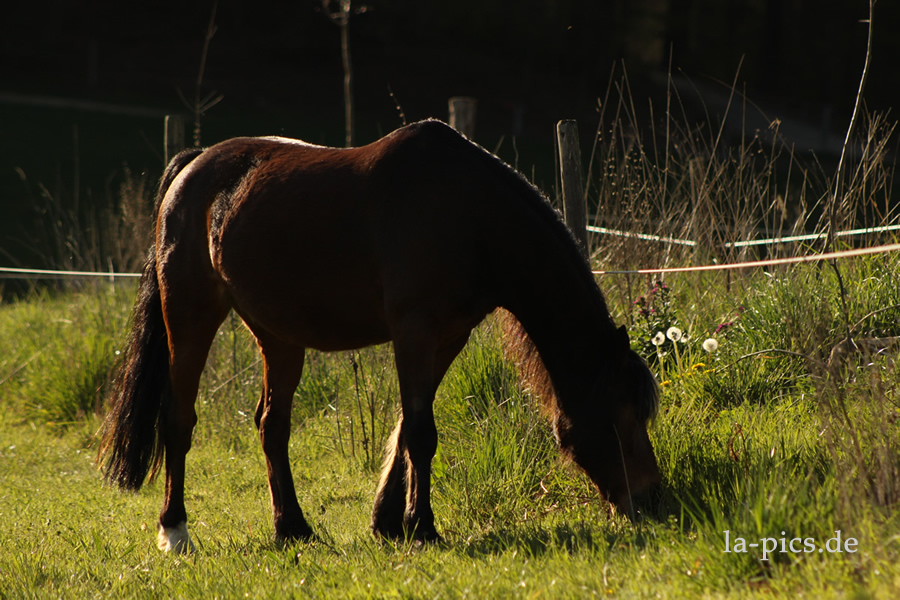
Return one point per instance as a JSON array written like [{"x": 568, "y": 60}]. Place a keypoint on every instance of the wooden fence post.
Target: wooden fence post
[
  {"x": 574, "y": 208},
  {"x": 173, "y": 140},
  {"x": 462, "y": 115}
]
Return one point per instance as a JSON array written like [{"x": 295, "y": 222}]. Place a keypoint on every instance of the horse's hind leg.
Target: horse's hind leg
[
  {"x": 192, "y": 319},
  {"x": 282, "y": 367}
]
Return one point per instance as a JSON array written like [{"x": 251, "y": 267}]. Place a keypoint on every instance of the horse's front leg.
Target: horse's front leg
[
  {"x": 403, "y": 500},
  {"x": 420, "y": 438}
]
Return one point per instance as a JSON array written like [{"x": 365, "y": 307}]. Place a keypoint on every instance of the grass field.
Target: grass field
[{"x": 762, "y": 438}]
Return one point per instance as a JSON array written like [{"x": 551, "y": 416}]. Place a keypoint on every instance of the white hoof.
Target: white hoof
[{"x": 175, "y": 539}]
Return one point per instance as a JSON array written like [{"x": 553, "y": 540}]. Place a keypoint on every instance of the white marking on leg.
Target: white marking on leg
[{"x": 175, "y": 539}]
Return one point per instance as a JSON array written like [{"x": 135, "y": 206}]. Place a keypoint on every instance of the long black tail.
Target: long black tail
[{"x": 132, "y": 437}]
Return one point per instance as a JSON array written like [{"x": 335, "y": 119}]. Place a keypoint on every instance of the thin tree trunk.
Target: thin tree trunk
[{"x": 344, "y": 23}]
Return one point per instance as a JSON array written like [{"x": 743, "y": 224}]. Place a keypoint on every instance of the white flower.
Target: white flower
[
  {"x": 710, "y": 345},
  {"x": 685, "y": 337},
  {"x": 673, "y": 333},
  {"x": 658, "y": 339}
]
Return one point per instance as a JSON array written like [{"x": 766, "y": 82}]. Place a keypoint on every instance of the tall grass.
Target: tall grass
[
  {"x": 496, "y": 448},
  {"x": 59, "y": 351},
  {"x": 712, "y": 184},
  {"x": 109, "y": 234}
]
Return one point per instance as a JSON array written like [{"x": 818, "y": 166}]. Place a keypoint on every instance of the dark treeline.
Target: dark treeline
[
  {"x": 277, "y": 65},
  {"x": 805, "y": 54}
]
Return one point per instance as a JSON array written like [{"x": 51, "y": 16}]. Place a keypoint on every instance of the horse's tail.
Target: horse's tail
[{"x": 132, "y": 438}]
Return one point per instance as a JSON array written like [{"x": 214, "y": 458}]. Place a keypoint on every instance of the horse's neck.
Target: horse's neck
[{"x": 561, "y": 312}]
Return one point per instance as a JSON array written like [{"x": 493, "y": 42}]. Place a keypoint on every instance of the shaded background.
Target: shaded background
[{"x": 277, "y": 65}]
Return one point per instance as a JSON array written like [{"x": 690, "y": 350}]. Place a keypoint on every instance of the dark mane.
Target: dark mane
[
  {"x": 520, "y": 347},
  {"x": 536, "y": 201}
]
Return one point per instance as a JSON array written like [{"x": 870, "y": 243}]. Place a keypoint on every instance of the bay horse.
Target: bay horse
[{"x": 412, "y": 239}]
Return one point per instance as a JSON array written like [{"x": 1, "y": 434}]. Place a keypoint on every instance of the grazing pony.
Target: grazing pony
[{"x": 412, "y": 239}]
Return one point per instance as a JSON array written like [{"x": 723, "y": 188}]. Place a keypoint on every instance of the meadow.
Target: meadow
[
  {"x": 777, "y": 440},
  {"x": 760, "y": 444}
]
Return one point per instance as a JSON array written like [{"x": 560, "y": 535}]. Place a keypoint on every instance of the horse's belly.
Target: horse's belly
[
  {"x": 337, "y": 325},
  {"x": 309, "y": 308}
]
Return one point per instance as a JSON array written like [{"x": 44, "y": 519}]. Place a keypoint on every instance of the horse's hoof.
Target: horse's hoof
[
  {"x": 175, "y": 539},
  {"x": 297, "y": 533},
  {"x": 427, "y": 538},
  {"x": 395, "y": 530},
  {"x": 423, "y": 536},
  {"x": 387, "y": 530}
]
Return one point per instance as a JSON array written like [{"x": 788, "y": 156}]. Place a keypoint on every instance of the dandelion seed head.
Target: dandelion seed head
[
  {"x": 673, "y": 333},
  {"x": 710, "y": 345},
  {"x": 658, "y": 339}
]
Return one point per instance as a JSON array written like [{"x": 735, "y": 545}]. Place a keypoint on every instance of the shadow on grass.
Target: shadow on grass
[{"x": 572, "y": 539}]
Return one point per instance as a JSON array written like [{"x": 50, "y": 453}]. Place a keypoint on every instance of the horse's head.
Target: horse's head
[{"x": 607, "y": 434}]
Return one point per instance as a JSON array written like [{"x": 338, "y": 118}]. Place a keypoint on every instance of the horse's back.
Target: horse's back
[{"x": 324, "y": 245}]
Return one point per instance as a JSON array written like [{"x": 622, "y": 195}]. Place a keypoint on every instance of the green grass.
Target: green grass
[
  {"x": 59, "y": 350},
  {"x": 67, "y": 535},
  {"x": 756, "y": 444}
]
